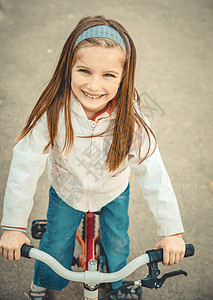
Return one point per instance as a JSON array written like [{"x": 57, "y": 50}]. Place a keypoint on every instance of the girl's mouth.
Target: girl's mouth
[{"x": 92, "y": 96}]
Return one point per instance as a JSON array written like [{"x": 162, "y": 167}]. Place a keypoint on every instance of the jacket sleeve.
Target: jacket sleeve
[
  {"x": 27, "y": 165},
  {"x": 156, "y": 187}
]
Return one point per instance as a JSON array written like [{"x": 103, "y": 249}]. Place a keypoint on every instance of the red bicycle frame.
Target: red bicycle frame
[{"x": 88, "y": 244}]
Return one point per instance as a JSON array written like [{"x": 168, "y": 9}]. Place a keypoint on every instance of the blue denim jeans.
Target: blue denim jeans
[{"x": 59, "y": 238}]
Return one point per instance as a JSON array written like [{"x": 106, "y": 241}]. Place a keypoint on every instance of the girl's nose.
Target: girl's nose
[{"x": 94, "y": 84}]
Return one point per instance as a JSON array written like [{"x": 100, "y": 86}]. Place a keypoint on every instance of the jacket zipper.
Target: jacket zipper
[{"x": 93, "y": 126}]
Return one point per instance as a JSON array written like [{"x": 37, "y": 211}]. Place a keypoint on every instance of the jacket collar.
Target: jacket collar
[{"x": 106, "y": 111}]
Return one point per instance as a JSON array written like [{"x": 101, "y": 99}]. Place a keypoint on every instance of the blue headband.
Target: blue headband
[{"x": 102, "y": 31}]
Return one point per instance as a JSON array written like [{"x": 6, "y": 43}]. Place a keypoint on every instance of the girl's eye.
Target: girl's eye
[
  {"x": 109, "y": 75},
  {"x": 84, "y": 71}
]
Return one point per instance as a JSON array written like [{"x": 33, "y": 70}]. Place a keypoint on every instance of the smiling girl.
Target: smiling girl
[{"x": 89, "y": 124}]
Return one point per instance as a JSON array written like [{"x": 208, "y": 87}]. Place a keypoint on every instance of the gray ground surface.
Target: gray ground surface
[{"x": 174, "y": 73}]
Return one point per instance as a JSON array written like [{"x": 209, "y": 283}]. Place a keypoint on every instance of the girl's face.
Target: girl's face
[{"x": 96, "y": 76}]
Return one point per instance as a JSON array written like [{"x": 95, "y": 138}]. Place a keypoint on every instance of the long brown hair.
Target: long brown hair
[{"x": 58, "y": 91}]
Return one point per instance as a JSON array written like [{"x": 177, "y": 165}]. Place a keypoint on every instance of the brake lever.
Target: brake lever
[
  {"x": 152, "y": 280},
  {"x": 161, "y": 280}
]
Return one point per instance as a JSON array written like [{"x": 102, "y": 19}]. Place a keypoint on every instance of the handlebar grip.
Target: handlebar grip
[
  {"x": 25, "y": 250},
  {"x": 157, "y": 255},
  {"x": 190, "y": 250}
]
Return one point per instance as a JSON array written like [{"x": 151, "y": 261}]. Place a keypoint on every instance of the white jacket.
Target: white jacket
[{"x": 81, "y": 178}]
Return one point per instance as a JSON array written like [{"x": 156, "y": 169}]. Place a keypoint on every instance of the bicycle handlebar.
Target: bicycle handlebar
[{"x": 95, "y": 277}]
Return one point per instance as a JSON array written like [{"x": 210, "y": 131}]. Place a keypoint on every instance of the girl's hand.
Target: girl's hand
[
  {"x": 11, "y": 243},
  {"x": 173, "y": 249}
]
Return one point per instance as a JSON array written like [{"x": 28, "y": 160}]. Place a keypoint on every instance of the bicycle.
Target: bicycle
[{"x": 92, "y": 259}]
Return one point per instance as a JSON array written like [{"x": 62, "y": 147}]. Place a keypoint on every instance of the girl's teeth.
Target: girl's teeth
[{"x": 92, "y": 97}]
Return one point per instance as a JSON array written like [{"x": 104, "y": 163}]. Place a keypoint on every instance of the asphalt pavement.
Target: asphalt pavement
[{"x": 174, "y": 78}]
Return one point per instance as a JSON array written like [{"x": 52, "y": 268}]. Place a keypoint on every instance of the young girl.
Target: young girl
[{"x": 89, "y": 123}]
